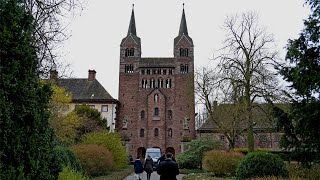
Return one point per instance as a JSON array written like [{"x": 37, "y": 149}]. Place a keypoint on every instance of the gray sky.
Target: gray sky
[{"x": 96, "y": 34}]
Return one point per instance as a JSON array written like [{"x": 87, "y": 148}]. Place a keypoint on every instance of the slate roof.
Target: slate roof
[
  {"x": 261, "y": 116},
  {"x": 183, "y": 30},
  {"x": 84, "y": 90},
  {"x": 156, "y": 62}
]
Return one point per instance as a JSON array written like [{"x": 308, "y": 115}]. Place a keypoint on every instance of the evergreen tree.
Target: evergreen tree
[
  {"x": 26, "y": 141},
  {"x": 302, "y": 123}
]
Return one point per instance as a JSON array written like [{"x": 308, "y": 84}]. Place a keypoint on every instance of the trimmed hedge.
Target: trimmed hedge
[
  {"x": 221, "y": 163},
  {"x": 95, "y": 160},
  {"x": 112, "y": 142},
  {"x": 261, "y": 164},
  {"x": 66, "y": 157}
]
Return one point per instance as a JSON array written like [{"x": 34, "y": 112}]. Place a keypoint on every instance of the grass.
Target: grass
[{"x": 116, "y": 175}]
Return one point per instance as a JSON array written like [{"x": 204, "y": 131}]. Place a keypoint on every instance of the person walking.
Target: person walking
[
  {"x": 148, "y": 167},
  {"x": 138, "y": 168},
  {"x": 168, "y": 169}
]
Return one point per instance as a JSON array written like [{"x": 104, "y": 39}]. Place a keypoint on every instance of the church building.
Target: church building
[{"x": 156, "y": 94}]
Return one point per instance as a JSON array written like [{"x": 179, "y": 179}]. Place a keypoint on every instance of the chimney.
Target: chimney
[{"x": 91, "y": 75}]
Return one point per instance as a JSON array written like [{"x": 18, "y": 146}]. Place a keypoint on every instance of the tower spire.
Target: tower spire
[
  {"x": 132, "y": 24},
  {"x": 183, "y": 24}
]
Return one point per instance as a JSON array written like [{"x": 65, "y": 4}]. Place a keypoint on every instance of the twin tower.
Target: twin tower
[{"x": 156, "y": 95}]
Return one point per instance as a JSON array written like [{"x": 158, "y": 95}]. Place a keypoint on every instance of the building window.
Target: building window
[
  {"x": 156, "y": 98},
  {"x": 169, "y": 114},
  {"x": 92, "y": 106},
  {"x": 170, "y": 71},
  {"x": 156, "y": 111},
  {"x": 221, "y": 137},
  {"x": 159, "y": 71},
  {"x": 169, "y": 132},
  {"x": 104, "y": 108},
  {"x": 131, "y": 52},
  {"x": 184, "y": 68},
  {"x": 164, "y": 72},
  {"x": 156, "y": 132},
  {"x": 184, "y": 52},
  {"x": 154, "y": 71},
  {"x": 128, "y": 68},
  {"x": 142, "y": 71},
  {"x": 141, "y": 132},
  {"x": 144, "y": 83},
  {"x": 142, "y": 115},
  {"x": 148, "y": 71},
  {"x": 127, "y": 52},
  {"x": 168, "y": 83},
  {"x": 152, "y": 83}
]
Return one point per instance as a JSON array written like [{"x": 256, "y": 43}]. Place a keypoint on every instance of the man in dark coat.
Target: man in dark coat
[{"x": 168, "y": 169}]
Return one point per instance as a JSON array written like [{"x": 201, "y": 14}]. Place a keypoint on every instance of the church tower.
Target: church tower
[{"x": 156, "y": 95}]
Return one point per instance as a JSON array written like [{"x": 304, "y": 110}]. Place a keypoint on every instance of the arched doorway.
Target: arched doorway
[{"x": 141, "y": 152}]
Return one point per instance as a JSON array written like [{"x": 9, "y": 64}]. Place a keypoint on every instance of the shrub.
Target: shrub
[
  {"x": 94, "y": 159},
  {"x": 221, "y": 163},
  {"x": 66, "y": 157},
  {"x": 112, "y": 142},
  {"x": 69, "y": 174},
  {"x": 260, "y": 164},
  {"x": 192, "y": 158}
]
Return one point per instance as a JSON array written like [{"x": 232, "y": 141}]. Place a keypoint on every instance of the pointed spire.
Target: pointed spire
[
  {"x": 183, "y": 24},
  {"x": 132, "y": 25}
]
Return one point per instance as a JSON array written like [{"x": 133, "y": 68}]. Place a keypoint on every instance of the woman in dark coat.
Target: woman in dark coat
[
  {"x": 138, "y": 167},
  {"x": 148, "y": 167}
]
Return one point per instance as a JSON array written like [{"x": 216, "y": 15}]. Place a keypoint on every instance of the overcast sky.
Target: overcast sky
[{"x": 96, "y": 34}]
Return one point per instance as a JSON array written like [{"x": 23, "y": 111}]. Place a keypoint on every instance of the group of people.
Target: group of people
[{"x": 167, "y": 167}]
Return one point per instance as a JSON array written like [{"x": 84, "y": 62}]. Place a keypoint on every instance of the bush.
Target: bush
[
  {"x": 112, "y": 142},
  {"x": 95, "y": 160},
  {"x": 260, "y": 164},
  {"x": 221, "y": 163},
  {"x": 192, "y": 158},
  {"x": 66, "y": 157},
  {"x": 70, "y": 174}
]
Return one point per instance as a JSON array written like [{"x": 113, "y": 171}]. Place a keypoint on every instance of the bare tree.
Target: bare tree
[
  {"x": 49, "y": 23},
  {"x": 227, "y": 116},
  {"x": 246, "y": 64}
]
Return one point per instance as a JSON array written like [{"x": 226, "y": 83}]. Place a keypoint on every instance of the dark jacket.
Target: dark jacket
[
  {"x": 168, "y": 169},
  {"x": 138, "y": 167},
  {"x": 148, "y": 165}
]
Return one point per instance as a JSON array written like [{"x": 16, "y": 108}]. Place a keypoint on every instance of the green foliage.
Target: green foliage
[
  {"x": 67, "y": 158},
  {"x": 192, "y": 158},
  {"x": 95, "y": 160},
  {"x": 70, "y": 174},
  {"x": 301, "y": 123},
  {"x": 26, "y": 140},
  {"x": 221, "y": 163},
  {"x": 259, "y": 164},
  {"x": 111, "y": 141}
]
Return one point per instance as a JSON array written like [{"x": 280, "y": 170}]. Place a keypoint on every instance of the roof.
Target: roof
[
  {"x": 261, "y": 115},
  {"x": 156, "y": 62},
  {"x": 183, "y": 30},
  {"x": 84, "y": 90},
  {"x": 132, "y": 30}
]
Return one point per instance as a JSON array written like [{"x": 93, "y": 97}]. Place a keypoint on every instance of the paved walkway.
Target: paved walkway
[{"x": 154, "y": 176}]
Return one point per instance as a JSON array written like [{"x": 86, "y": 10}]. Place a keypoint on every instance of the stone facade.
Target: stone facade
[{"x": 156, "y": 95}]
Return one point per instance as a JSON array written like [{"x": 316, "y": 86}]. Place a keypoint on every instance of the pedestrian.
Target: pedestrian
[
  {"x": 162, "y": 158},
  {"x": 138, "y": 168},
  {"x": 148, "y": 167},
  {"x": 168, "y": 169}
]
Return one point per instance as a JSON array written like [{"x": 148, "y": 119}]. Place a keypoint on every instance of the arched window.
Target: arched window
[
  {"x": 184, "y": 52},
  {"x": 156, "y": 111},
  {"x": 126, "y": 54},
  {"x": 152, "y": 83},
  {"x": 141, "y": 132},
  {"x": 169, "y": 132},
  {"x": 131, "y": 52},
  {"x": 156, "y": 132},
  {"x": 169, "y": 114},
  {"x": 142, "y": 114},
  {"x": 156, "y": 98}
]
